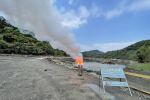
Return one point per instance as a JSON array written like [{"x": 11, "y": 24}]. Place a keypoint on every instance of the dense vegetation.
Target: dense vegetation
[
  {"x": 92, "y": 52},
  {"x": 142, "y": 54},
  {"x": 12, "y": 41},
  {"x": 139, "y": 51}
]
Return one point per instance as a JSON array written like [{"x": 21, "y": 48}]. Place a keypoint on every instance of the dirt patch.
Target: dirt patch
[{"x": 26, "y": 79}]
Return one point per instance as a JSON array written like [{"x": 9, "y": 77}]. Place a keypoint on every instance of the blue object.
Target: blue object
[
  {"x": 115, "y": 83},
  {"x": 112, "y": 72}
]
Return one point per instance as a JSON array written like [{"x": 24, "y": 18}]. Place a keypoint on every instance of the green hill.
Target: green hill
[
  {"x": 139, "y": 51},
  {"x": 92, "y": 52},
  {"x": 142, "y": 54},
  {"x": 12, "y": 41}
]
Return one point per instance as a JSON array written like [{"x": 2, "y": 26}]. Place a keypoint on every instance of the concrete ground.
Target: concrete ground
[{"x": 25, "y": 79}]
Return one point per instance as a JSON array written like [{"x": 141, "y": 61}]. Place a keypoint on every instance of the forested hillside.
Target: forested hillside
[
  {"x": 142, "y": 54},
  {"x": 92, "y": 52},
  {"x": 139, "y": 51},
  {"x": 12, "y": 41}
]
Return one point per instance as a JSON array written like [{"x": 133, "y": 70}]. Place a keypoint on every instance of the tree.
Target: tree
[
  {"x": 55, "y": 52},
  {"x": 11, "y": 40},
  {"x": 32, "y": 34},
  {"x": 147, "y": 43},
  {"x": 8, "y": 37}
]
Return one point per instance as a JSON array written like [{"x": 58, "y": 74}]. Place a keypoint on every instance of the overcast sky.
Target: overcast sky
[{"x": 105, "y": 24}]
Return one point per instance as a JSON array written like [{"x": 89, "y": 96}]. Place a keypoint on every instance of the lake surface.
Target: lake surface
[{"x": 89, "y": 66}]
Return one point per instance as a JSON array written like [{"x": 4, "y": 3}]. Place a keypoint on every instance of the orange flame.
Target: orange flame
[{"x": 79, "y": 61}]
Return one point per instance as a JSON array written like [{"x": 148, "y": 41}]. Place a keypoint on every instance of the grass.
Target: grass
[{"x": 141, "y": 66}]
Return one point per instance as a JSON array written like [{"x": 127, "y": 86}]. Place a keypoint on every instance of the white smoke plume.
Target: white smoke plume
[{"x": 40, "y": 17}]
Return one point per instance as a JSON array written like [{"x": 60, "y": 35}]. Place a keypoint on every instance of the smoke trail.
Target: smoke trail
[{"x": 40, "y": 17}]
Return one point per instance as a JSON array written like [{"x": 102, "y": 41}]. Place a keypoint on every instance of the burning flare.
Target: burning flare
[{"x": 79, "y": 61}]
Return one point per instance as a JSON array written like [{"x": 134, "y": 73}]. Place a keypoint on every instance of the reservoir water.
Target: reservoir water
[{"x": 94, "y": 66}]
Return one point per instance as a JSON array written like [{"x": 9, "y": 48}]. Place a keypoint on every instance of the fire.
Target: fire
[{"x": 79, "y": 61}]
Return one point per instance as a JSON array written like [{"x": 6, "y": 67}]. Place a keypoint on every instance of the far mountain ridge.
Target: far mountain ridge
[
  {"x": 92, "y": 52},
  {"x": 139, "y": 51}
]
